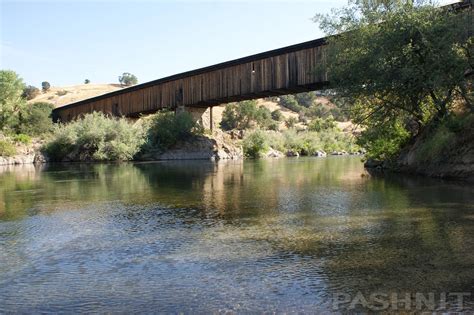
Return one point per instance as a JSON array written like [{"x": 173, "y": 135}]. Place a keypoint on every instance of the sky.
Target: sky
[{"x": 66, "y": 42}]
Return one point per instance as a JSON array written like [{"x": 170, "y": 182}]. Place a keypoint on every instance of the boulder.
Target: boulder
[
  {"x": 274, "y": 154},
  {"x": 292, "y": 153},
  {"x": 371, "y": 163},
  {"x": 320, "y": 153}
]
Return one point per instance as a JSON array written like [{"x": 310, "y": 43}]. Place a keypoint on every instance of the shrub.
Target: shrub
[
  {"x": 291, "y": 122},
  {"x": 255, "y": 144},
  {"x": 320, "y": 124},
  {"x": 35, "y": 119},
  {"x": 275, "y": 126},
  {"x": 30, "y": 92},
  {"x": 275, "y": 140},
  {"x": 308, "y": 142},
  {"x": 277, "y": 115},
  {"x": 95, "y": 137},
  {"x": 61, "y": 93},
  {"x": 263, "y": 117},
  {"x": 290, "y": 102},
  {"x": 317, "y": 110},
  {"x": 87, "y": 81},
  {"x": 302, "y": 117},
  {"x": 439, "y": 142},
  {"x": 432, "y": 148},
  {"x": 383, "y": 141},
  {"x": 305, "y": 99},
  {"x": 305, "y": 142},
  {"x": 167, "y": 128},
  {"x": 128, "y": 79},
  {"x": 7, "y": 148},
  {"x": 45, "y": 86},
  {"x": 22, "y": 138}
]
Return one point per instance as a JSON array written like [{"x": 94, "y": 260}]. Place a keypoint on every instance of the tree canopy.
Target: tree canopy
[
  {"x": 128, "y": 79},
  {"x": 398, "y": 62},
  {"x": 11, "y": 99}
]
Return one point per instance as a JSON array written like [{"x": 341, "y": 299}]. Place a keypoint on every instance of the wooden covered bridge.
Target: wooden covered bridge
[
  {"x": 282, "y": 71},
  {"x": 288, "y": 70}
]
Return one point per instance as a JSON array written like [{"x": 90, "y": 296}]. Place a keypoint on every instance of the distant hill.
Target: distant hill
[{"x": 60, "y": 96}]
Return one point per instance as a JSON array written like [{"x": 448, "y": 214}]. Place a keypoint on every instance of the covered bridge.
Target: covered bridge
[{"x": 281, "y": 71}]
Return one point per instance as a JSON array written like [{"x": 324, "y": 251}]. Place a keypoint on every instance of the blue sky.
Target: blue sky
[{"x": 65, "y": 42}]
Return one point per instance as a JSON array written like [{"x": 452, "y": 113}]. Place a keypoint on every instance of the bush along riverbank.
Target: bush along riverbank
[{"x": 443, "y": 150}]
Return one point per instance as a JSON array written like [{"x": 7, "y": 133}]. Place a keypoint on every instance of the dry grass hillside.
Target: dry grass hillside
[{"x": 60, "y": 96}]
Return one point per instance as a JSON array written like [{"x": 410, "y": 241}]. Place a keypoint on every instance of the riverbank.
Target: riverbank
[{"x": 445, "y": 151}]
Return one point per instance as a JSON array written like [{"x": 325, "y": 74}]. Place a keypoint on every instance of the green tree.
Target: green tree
[
  {"x": 35, "y": 119},
  {"x": 11, "y": 100},
  {"x": 87, "y": 81},
  {"x": 45, "y": 86},
  {"x": 244, "y": 115},
  {"x": 397, "y": 62},
  {"x": 128, "y": 79}
]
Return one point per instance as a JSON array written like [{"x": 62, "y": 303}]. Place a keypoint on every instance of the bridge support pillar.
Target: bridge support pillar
[{"x": 202, "y": 115}]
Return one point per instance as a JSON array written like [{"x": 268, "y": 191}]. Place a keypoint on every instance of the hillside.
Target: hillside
[{"x": 60, "y": 96}]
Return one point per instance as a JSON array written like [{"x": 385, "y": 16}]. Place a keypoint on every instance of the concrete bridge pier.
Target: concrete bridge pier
[{"x": 201, "y": 115}]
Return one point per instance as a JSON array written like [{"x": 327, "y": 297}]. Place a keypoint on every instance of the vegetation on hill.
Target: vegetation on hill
[
  {"x": 403, "y": 74},
  {"x": 128, "y": 79},
  {"x": 308, "y": 106}
]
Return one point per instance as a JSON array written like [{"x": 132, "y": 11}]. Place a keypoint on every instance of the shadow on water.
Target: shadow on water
[{"x": 266, "y": 235}]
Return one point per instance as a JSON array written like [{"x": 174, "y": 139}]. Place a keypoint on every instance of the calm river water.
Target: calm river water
[{"x": 290, "y": 235}]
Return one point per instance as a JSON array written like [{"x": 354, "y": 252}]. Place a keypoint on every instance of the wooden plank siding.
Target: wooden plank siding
[{"x": 282, "y": 71}]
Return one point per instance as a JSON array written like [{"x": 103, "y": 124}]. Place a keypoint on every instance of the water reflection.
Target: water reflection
[{"x": 273, "y": 235}]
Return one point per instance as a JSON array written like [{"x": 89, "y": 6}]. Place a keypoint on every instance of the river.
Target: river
[{"x": 289, "y": 235}]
